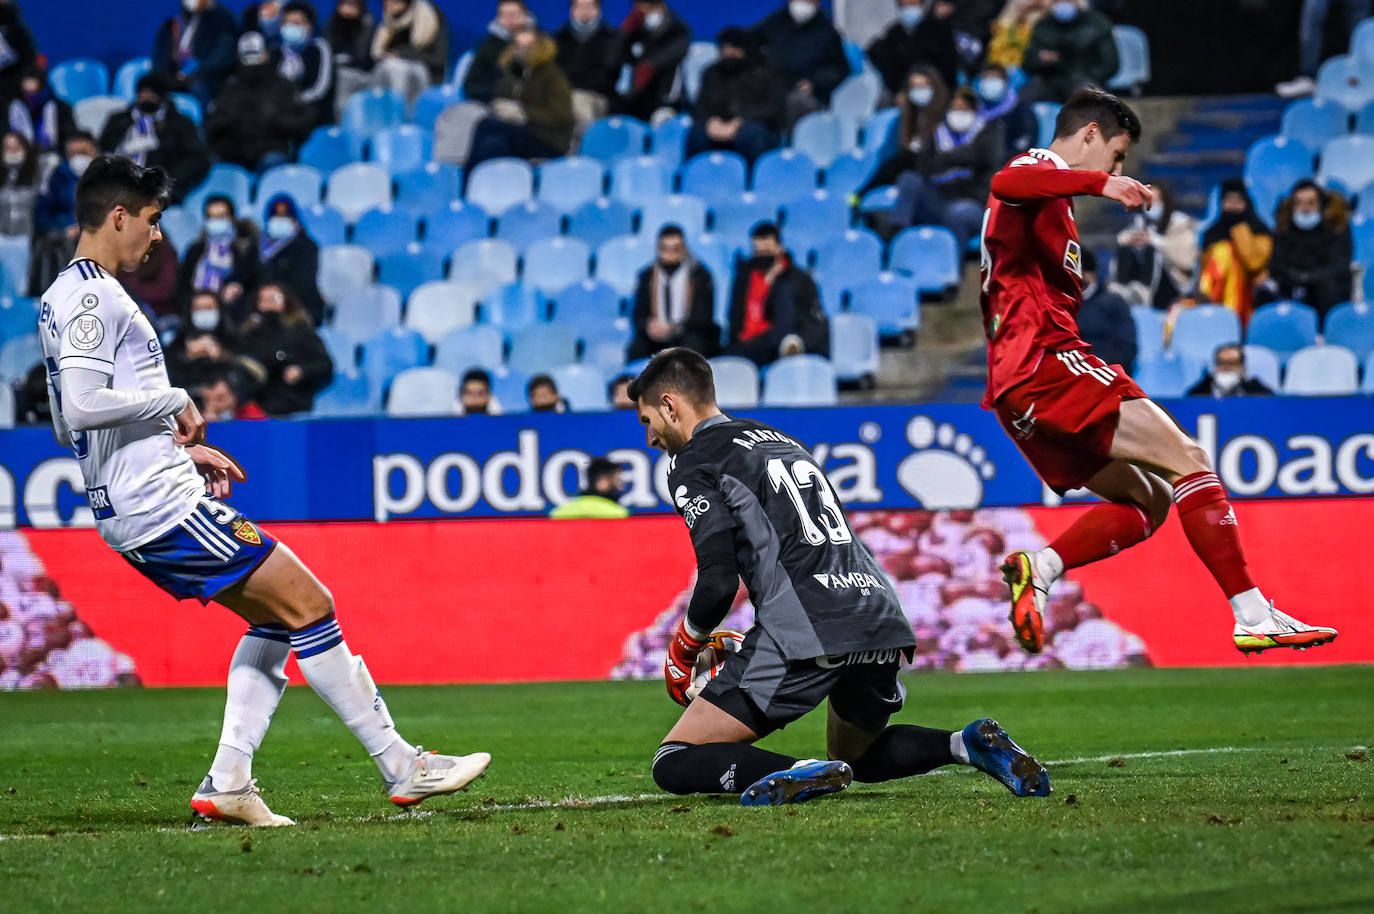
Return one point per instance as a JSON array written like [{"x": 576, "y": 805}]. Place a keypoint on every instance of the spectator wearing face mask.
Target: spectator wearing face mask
[
  {"x": 921, "y": 110},
  {"x": 1235, "y": 252},
  {"x": 294, "y": 363},
  {"x": 803, "y": 44},
  {"x": 40, "y": 117},
  {"x": 17, "y": 51},
  {"x": 1157, "y": 253},
  {"x": 485, "y": 69},
  {"x": 154, "y": 133},
  {"x": 288, "y": 256},
  {"x": 204, "y": 346},
  {"x": 589, "y": 54},
  {"x": 600, "y": 500},
  {"x": 674, "y": 302},
  {"x": 349, "y": 31},
  {"x": 1104, "y": 319},
  {"x": 531, "y": 115},
  {"x": 306, "y": 61},
  {"x": 998, "y": 100},
  {"x": 775, "y": 308},
  {"x": 741, "y": 105},
  {"x": 259, "y": 117},
  {"x": 224, "y": 259},
  {"x": 1070, "y": 48},
  {"x": 195, "y": 49},
  {"x": 656, "y": 40},
  {"x": 1228, "y": 377},
  {"x": 1011, "y": 32},
  {"x": 410, "y": 47},
  {"x": 265, "y": 18},
  {"x": 542, "y": 394},
  {"x": 1313, "y": 249},
  {"x": 19, "y": 184},
  {"x": 919, "y": 36}
]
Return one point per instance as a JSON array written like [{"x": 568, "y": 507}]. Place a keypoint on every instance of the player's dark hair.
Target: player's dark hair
[
  {"x": 679, "y": 369},
  {"x": 112, "y": 181},
  {"x": 477, "y": 374},
  {"x": 670, "y": 231},
  {"x": 766, "y": 230},
  {"x": 1093, "y": 106}
]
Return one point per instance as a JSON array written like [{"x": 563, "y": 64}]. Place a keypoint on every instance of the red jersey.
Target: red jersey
[{"x": 1032, "y": 266}]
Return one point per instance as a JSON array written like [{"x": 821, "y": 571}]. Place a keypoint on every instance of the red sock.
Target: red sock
[
  {"x": 1210, "y": 524},
  {"x": 1104, "y": 531}
]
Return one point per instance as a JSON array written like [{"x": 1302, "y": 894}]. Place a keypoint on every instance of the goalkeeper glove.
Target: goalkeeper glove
[{"x": 683, "y": 649}]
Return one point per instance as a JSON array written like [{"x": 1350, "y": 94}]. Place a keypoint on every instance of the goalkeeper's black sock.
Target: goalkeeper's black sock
[
  {"x": 714, "y": 767},
  {"x": 904, "y": 750}
]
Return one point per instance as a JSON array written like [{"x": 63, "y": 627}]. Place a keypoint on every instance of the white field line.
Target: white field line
[{"x": 623, "y": 799}]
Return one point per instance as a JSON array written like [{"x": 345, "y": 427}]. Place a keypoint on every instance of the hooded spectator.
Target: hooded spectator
[
  {"x": 17, "y": 40},
  {"x": 484, "y": 71},
  {"x": 775, "y": 309},
  {"x": 40, "y": 117},
  {"x": 1157, "y": 253},
  {"x": 742, "y": 102},
  {"x": 920, "y": 35},
  {"x": 1070, "y": 48},
  {"x": 532, "y": 112},
  {"x": 1235, "y": 252},
  {"x": 589, "y": 54},
  {"x": 656, "y": 40},
  {"x": 307, "y": 61},
  {"x": 195, "y": 48},
  {"x": 349, "y": 31},
  {"x": 802, "y": 43},
  {"x": 19, "y": 184},
  {"x": 1104, "y": 319},
  {"x": 154, "y": 133},
  {"x": 410, "y": 47},
  {"x": 674, "y": 302},
  {"x": 1228, "y": 377},
  {"x": 224, "y": 259},
  {"x": 1313, "y": 249},
  {"x": 289, "y": 256},
  {"x": 259, "y": 117},
  {"x": 295, "y": 364}
]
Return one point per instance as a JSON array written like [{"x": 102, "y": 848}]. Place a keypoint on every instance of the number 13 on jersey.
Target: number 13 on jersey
[{"x": 806, "y": 475}]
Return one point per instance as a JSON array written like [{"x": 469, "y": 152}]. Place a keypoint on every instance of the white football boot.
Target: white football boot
[
  {"x": 434, "y": 775},
  {"x": 1280, "y": 630},
  {"x": 238, "y": 807}
]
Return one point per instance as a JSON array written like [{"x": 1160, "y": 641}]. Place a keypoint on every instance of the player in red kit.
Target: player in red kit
[{"x": 1080, "y": 422}]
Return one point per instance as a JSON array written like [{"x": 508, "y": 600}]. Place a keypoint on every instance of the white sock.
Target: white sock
[
  {"x": 1048, "y": 565},
  {"x": 1250, "y": 607},
  {"x": 958, "y": 749},
  {"x": 257, "y": 678},
  {"x": 344, "y": 683}
]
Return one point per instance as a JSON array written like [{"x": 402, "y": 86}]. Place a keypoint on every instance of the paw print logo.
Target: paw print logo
[{"x": 948, "y": 470}]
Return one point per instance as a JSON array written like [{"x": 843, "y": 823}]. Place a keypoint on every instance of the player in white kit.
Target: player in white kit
[{"x": 155, "y": 486}]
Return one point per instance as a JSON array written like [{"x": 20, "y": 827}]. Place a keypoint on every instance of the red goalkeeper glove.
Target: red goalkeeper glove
[{"x": 683, "y": 649}]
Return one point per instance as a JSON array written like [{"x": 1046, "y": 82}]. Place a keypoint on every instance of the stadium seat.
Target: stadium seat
[
  {"x": 301, "y": 183},
  {"x": 541, "y": 348},
  {"x": 880, "y": 134},
  {"x": 189, "y": 106},
  {"x": 344, "y": 268},
  {"x": 598, "y": 221},
  {"x": 1284, "y": 327},
  {"x": 1272, "y": 166},
  {"x": 620, "y": 260},
  {"x": 1262, "y": 364},
  {"x": 583, "y": 386},
  {"x": 18, "y": 316},
  {"x": 733, "y": 219},
  {"x": 1313, "y": 121},
  {"x": 342, "y": 349},
  {"x": 854, "y": 347},
  {"x": 640, "y": 178},
  {"x": 389, "y": 352},
  {"x": 324, "y": 224},
  {"x": 18, "y": 355},
  {"x": 369, "y": 112},
  {"x": 508, "y": 389},
  {"x": 879, "y": 199},
  {"x": 6, "y": 406},
  {"x": 180, "y": 226},
  {"x": 74, "y": 80},
  {"x": 354, "y": 189},
  {"x": 683, "y": 210},
  {"x": 1362, "y": 43},
  {"x": 498, "y": 184},
  {"x": 834, "y": 293},
  {"x": 226, "y": 180},
  {"x": 1133, "y": 56},
  {"x": 402, "y": 148},
  {"x": 346, "y": 396},
  {"x": 613, "y": 137},
  {"x": 127, "y": 77},
  {"x": 512, "y": 306},
  {"x": 930, "y": 255},
  {"x": 91, "y": 113},
  {"x": 1348, "y": 160},
  {"x": 668, "y": 140},
  {"x": 783, "y": 174},
  {"x": 1344, "y": 81},
  {"x": 856, "y": 253},
  {"x": 457, "y": 224},
  {"x": 524, "y": 224},
  {"x": 477, "y": 346},
  {"x": 1199, "y": 331},
  {"x": 1322, "y": 371},
  {"x": 587, "y": 303},
  {"x": 1149, "y": 332},
  {"x": 855, "y": 100},
  {"x": 1364, "y": 118},
  {"x": 1046, "y": 113},
  {"x": 361, "y": 312},
  {"x": 809, "y": 220},
  {"x": 700, "y": 55},
  {"x": 1351, "y": 326},
  {"x": 429, "y": 188},
  {"x": 714, "y": 176},
  {"x": 850, "y": 171},
  {"x": 1368, "y": 386},
  {"x": 800, "y": 380},
  {"x": 570, "y": 182},
  {"x": 605, "y": 348},
  {"x": 485, "y": 264},
  {"x": 737, "y": 382},
  {"x": 460, "y": 70},
  {"x": 822, "y": 136},
  {"x": 1167, "y": 376},
  {"x": 891, "y": 300},
  {"x": 431, "y": 103},
  {"x": 423, "y": 391},
  {"x": 385, "y": 230},
  {"x": 436, "y": 307},
  {"x": 325, "y": 150},
  {"x": 14, "y": 262},
  {"x": 553, "y": 264},
  {"x": 410, "y": 267}
]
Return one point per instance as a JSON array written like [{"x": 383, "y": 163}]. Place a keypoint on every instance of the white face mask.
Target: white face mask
[
  {"x": 14, "y": 159},
  {"x": 992, "y": 88},
  {"x": 219, "y": 229},
  {"x": 1064, "y": 11},
  {"x": 920, "y": 96},
  {"x": 204, "y": 319},
  {"x": 653, "y": 21},
  {"x": 1304, "y": 221},
  {"x": 1227, "y": 379},
  {"x": 801, "y": 11},
  {"x": 911, "y": 16},
  {"x": 960, "y": 121},
  {"x": 294, "y": 34},
  {"x": 79, "y": 164},
  {"x": 1155, "y": 212},
  {"x": 279, "y": 227}
]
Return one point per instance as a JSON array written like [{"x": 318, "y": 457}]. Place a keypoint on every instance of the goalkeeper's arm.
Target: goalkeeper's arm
[{"x": 717, "y": 584}]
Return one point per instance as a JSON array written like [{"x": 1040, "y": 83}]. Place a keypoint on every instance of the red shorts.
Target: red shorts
[{"x": 1064, "y": 416}]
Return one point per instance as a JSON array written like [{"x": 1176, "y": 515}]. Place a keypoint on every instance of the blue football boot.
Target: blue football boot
[
  {"x": 991, "y": 751},
  {"x": 805, "y": 780}
]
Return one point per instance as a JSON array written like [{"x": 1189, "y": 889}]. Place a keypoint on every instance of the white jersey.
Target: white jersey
[{"x": 139, "y": 482}]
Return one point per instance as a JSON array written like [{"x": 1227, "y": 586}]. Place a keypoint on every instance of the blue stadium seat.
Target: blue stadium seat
[
  {"x": 809, "y": 220},
  {"x": 412, "y": 266},
  {"x": 477, "y": 346},
  {"x": 485, "y": 263},
  {"x": 714, "y": 176},
  {"x": 429, "y": 188},
  {"x": 460, "y": 70},
  {"x": 189, "y": 106},
  {"x": 683, "y": 210},
  {"x": 541, "y": 348},
  {"x": 498, "y": 184},
  {"x": 1046, "y": 113},
  {"x": 432, "y": 102},
  {"x": 346, "y": 396},
  {"x": 508, "y": 389},
  {"x": 1262, "y": 364},
  {"x": 821, "y": 136},
  {"x": 180, "y": 226},
  {"x": 1284, "y": 327},
  {"x": 834, "y": 293},
  {"x": 6, "y": 406},
  {"x": 737, "y": 382},
  {"x": 324, "y": 224},
  {"x": 127, "y": 77},
  {"x": 891, "y": 300},
  {"x": 369, "y": 112},
  {"x": 1149, "y": 332},
  {"x": 553, "y": 264},
  {"x": 1167, "y": 376},
  {"x": 389, "y": 352},
  {"x": 402, "y": 148},
  {"x": 1199, "y": 331},
  {"x": 733, "y": 219},
  {"x": 613, "y": 137},
  {"x": 930, "y": 255},
  {"x": 1362, "y": 43},
  {"x": 1368, "y": 386},
  {"x": 439, "y": 306},
  {"x": 325, "y": 150},
  {"x": 880, "y": 134},
  {"x": 879, "y": 199},
  {"x": 855, "y": 100},
  {"x": 587, "y": 303},
  {"x": 18, "y": 355},
  {"x": 361, "y": 312},
  {"x": 73, "y": 80},
  {"x": 342, "y": 349},
  {"x": 92, "y": 113},
  {"x": 354, "y": 189},
  {"x": 1272, "y": 166},
  {"x": 1133, "y": 56},
  {"x": 1351, "y": 326},
  {"x": 423, "y": 391},
  {"x": 850, "y": 172},
  {"x": 668, "y": 140},
  {"x": 344, "y": 268},
  {"x": 570, "y": 182},
  {"x": 1313, "y": 121},
  {"x": 641, "y": 178},
  {"x": 511, "y": 306},
  {"x": 598, "y": 221},
  {"x": 856, "y": 253},
  {"x": 230, "y": 181},
  {"x": 18, "y": 316},
  {"x": 524, "y": 224},
  {"x": 700, "y": 55},
  {"x": 1322, "y": 371},
  {"x": 783, "y": 174},
  {"x": 583, "y": 386},
  {"x": 854, "y": 347},
  {"x": 14, "y": 263},
  {"x": 604, "y": 348},
  {"x": 385, "y": 230},
  {"x": 1348, "y": 160},
  {"x": 1364, "y": 118},
  {"x": 301, "y": 183},
  {"x": 1344, "y": 81},
  {"x": 457, "y": 224},
  {"x": 620, "y": 260},
  {"x": 800, "y": 380}
]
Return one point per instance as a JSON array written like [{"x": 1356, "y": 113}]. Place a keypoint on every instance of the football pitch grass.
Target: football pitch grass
[{"x": 1174, "y": 790}]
